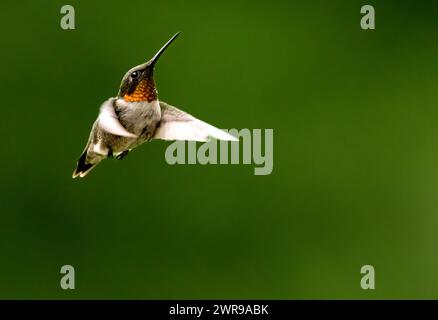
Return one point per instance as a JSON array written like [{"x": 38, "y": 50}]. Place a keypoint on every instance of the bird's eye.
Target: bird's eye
[{"x": 135, "y": 75}]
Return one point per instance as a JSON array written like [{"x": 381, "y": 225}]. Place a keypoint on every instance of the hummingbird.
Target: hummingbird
[{"x": 136, "y": 116}]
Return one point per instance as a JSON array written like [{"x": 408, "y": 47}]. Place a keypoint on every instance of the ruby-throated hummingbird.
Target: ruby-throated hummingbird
[{"x": 136, "y": 116}]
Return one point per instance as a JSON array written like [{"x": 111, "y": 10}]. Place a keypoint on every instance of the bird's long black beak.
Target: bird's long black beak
[{"x": 155, "y": 58}]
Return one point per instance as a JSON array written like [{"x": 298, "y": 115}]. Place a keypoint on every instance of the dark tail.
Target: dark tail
[{"x": 84, "y": 166}]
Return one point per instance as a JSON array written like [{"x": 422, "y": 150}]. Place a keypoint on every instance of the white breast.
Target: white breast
[{"x": 135, "y": 116}]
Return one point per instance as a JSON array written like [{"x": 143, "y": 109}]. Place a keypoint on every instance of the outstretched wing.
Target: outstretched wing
[
  {"x": 179, "y": 125},
  {"x": 109, "y": 121}
]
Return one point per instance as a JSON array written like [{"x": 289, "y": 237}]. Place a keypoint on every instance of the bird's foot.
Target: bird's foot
[{"x": 122, "y": 155}]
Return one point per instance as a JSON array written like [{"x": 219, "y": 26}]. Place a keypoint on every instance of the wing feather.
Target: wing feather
[
  {"x": 176, "y": 124},
  {"x": 109, "y": 121}
]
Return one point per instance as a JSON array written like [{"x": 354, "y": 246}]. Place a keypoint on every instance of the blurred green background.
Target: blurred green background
[{"x": 355, "y": 177}]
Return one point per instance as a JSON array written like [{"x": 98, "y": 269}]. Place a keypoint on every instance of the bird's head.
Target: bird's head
[{"x": 138, "y": 83}]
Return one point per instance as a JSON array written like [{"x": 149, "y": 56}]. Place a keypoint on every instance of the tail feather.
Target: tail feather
[{"x": 84, "y": 166}]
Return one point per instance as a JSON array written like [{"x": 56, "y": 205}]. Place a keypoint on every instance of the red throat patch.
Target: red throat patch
[{"x": 145, "y": 91}]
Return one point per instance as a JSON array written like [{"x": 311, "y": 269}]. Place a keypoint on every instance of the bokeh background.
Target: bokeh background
[{"x": 355, "y": 178}]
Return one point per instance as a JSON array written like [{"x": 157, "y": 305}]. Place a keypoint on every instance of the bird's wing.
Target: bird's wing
[
  {"x": 109, "y": 121},
  {"x": 179, "y": 125}
]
